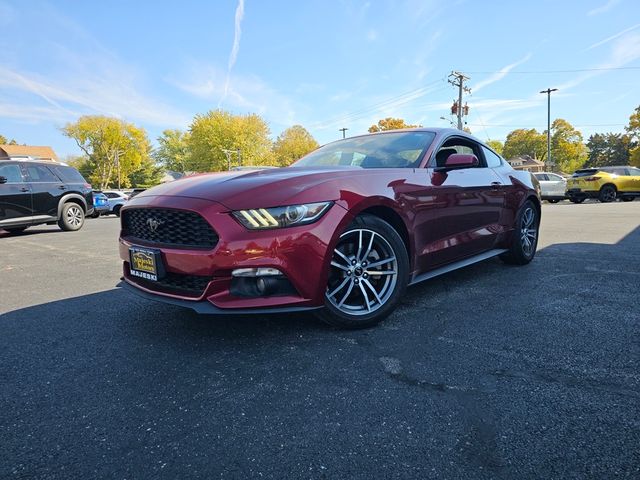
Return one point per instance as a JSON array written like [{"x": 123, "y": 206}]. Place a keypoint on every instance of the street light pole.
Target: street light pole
[{"x": 548, "y": 92}]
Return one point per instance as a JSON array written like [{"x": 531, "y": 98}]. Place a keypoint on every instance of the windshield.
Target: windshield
[{"x": 384, "y": 150}]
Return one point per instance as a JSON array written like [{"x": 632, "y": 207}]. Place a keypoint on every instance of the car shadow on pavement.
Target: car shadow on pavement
[{"x": 499, "y": 367}]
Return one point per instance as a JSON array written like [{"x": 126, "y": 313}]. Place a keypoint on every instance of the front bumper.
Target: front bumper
[{"x": 300, "y": 253}]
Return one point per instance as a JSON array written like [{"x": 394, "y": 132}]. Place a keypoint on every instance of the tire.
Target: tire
[
  {"x": 607, "y": 194},
  {"x": 72, "y": 217},
  {"x": 627, "y": 199},
  {"x": 116, "y": 210},
  {"x": 577, "y": 199},
  {"x": 553, "y": 201},
  {"x": 525, "y": 236},
  {"x": 15, "y": 230},
  {"x": 368, "y": 275},
  {"x": 94, "y": 215}
]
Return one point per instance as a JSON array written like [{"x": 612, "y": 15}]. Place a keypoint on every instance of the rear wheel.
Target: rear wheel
[
  {"x": 72, "y": 217},
  {"x": 525, "y": 236},
  {"x": 553, "y": 201},
  {"x": 607, "y": 194},
  {"x": 368, "y": 275},
  {"x": 116, "y": 210}
]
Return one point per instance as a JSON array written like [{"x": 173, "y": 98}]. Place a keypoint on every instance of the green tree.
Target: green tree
[
  {"x": 292, "y": 144},
  {"x": 607, "y": 149},
  {"x": 496, "y": 145},
  {"x": 390, "y": 123},
  {"x": 218, "y": 130},
  {"x": 173, "y": 150},
  {"x": 147, "y": 175},
  {"x": 525, "y": 142},
  {"x": 568, "y": 151},
  {"x": 114, "y": 148}
]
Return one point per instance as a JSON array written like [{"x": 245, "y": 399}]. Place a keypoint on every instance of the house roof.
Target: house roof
[
  {"x": 32, "y": 151},
  {"x": 526, "y": 161}
]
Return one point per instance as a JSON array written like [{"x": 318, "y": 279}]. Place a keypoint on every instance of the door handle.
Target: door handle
[
  {"x": 24, "y": 189},
  {"x": 496, "y": 185},
  {"x": 62, "y": 187}
]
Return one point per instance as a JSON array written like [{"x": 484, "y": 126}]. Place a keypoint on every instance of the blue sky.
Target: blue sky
[{"x": 322, "y": 64}]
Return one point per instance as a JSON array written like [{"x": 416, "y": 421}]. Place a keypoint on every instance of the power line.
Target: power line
[
  {"x": 558, "y": 71},
  {"x": 542, "y": 126}
]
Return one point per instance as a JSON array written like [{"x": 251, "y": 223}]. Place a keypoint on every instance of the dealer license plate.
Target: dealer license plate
[{"x": 145, "y": 263}]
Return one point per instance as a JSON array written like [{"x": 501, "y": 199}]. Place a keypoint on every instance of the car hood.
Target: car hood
[{"x": 261, "y": 188}]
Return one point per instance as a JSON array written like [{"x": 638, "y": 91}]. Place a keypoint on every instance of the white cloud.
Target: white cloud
[
  {"x": 603, "y": 8},
  {"x": 233, "y": 56},
  {"x": 499, "y": 75},
  {"x": 248, "y": 93},
  {"x": 612, "y": 37}
]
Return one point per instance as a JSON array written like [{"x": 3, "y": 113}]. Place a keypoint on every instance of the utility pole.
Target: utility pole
[
  {"x": 548, "y": 92},
  {"x": 343, "y": 130},
  {"x": 457, "y": 79}
]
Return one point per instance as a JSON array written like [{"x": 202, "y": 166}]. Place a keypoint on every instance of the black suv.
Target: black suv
[{"x": 33, "y": 192}]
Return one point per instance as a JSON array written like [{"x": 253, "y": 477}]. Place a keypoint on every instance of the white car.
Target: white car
[
  {"x": 116, "y": 200},
  {"x": 553, "y": 187}
]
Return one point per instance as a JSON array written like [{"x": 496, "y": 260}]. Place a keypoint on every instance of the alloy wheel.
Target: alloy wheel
[
  {"x": 364, "y": 272},
  {"x": 528, "y": 231},
  {"x": 74, "y": 216}
]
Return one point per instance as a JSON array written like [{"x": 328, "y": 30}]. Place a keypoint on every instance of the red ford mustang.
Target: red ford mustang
[{"x": 343, "y": 231}]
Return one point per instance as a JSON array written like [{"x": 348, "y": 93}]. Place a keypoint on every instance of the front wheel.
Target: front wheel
[
  {"x": 368, "y": 274},
  {"x": 525, "y": 236},
  {"x": 577, "y": 199},
  {"x": 72, "y": 217},
  {"x": 116, "y": 210}
]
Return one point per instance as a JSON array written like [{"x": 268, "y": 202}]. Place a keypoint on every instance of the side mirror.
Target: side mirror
[
  {"x": 456, "y": 161},
  {"x": 3, "y": 179}
]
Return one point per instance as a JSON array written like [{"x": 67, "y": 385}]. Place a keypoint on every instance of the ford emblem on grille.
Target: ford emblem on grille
[{"x": 153, "y": 224}]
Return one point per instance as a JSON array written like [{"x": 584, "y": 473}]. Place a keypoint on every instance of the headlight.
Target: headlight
[{"x": 280, "y": 217}]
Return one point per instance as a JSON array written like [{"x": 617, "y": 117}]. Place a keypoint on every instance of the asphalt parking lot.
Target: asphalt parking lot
[{"x": 489, "y": 372}]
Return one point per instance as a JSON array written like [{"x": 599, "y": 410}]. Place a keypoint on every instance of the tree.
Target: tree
[
  {"x": 607, "y": 149},
  {"x": 147, "y": 175},
  {"x": 390, "y": 123},
  {"x": 114, "y": 149},
  {"x": 496, "y": 145},
  {"x": 568, "y": 151},
  {"x": 4, "y": 141},
  {"x": 633, "y": 129},
  {"x": 173, "y": 151},
  {"x": 292, "y": 144},
  {"x": 525, "y": 142},
  {"x": 216, "y": 130}
]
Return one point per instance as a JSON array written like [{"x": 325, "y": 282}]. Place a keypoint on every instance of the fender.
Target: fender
[{"x": 70, "y": 196}]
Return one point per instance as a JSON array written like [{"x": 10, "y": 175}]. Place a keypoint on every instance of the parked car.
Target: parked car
[
  {"x": 604, "y": 183},
  {"x": 135, "y": 192},
  {"x": 33, "y": 192},
  {"x": 100, "y": 204},
  {"x": 343, "y": 231},
  {"x": 552, "y": 186},
  {"x": 116, "y": 199}
]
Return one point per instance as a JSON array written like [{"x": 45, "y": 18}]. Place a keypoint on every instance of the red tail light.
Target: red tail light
[{"x": 591, "y": 179}]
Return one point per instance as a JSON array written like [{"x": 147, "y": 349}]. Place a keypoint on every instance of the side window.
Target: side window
[
  {"x": 456, "y": 145},
  {"x": 493, "y": 160},
  {"x": 554, "y": 177},
  {"x": 11, "y": 172},
  {"x": 111, "y": 195},
  {"x": 40, "y": 173},
  {"x": 542, "y": 177}
]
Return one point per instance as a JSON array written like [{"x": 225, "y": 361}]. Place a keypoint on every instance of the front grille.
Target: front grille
[
  {"x": 176, "y": 283},
  {"x": 167, "y": 226}
]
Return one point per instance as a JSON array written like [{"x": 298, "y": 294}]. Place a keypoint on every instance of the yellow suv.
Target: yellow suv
[{"x": 604, "y": 183}]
